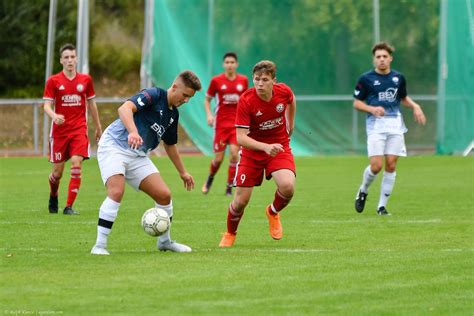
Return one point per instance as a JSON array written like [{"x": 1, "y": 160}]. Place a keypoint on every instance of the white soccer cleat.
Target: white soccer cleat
[
  {"x": 171, "y": 245},
  {"x": 96, "y": 250}
]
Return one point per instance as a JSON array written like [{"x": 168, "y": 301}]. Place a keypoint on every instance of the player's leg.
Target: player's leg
[
  {"x": 234, "y": 215},
  {"x": 395, "y": 148},
  {"x": 233, "y": 160},
  {"x": 74, "y": 184},
  {"x": 375, "y": 149},
  {"x": 219, "y": 147},
  {"x": 57, "y": 156},
  {"x": 111, "y": 165},
  {"x": 154, "y": 186}
]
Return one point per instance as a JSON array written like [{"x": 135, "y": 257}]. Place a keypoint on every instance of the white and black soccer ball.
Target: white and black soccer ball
[{"x": 155, "y": 221}]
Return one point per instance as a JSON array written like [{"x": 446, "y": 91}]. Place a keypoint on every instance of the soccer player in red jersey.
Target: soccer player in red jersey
[
  {"x": 264, "y": 123},
  {"x": 228, "y": 87},
  {"x": 69, "y": 92}
]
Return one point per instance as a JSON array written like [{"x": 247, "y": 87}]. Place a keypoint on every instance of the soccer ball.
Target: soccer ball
[{"x": 155, "y": 221}]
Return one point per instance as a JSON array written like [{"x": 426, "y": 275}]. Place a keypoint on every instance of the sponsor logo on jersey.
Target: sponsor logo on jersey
[
  {"x": 80, "y": 87},
  {"x": 159, "y": 129},
  {"x": 61, "y": 87},
  {"x": 258, "y": 113},
  {"x": 376, "y": 83},
  {"x": 356, "y": 92},
  {"x": 140, "y": 102},
  {"x": 280, "y": 107},
  {"x": 223, "y": 87},
  {"x": 240, "y": 87},
  {"x": 271, "y": 124},
  {"x": 71, "y": 100},
  {"x": 389, "y": 95},
  {"x": 230, "y": 98},
  {"x": 395, "y": 79}
]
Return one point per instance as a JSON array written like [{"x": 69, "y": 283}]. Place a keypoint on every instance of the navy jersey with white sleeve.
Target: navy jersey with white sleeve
[
  {"x": 383, "y": 90},
  {"x": 155, "y": 121}
]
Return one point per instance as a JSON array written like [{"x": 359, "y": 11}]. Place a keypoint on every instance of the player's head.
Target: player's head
[
  {"x": 67, "y": 57},
  {"x": 183, "y": 88},
  {"x": 382, "y": 56},
  {"x": 264, "y": 77},
  {"x": 230, "y": 62}
]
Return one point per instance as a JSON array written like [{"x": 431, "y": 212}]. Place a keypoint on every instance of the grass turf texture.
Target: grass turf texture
[{"x": 331, "y": 259}]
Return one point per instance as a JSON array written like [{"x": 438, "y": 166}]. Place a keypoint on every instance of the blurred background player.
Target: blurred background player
[
  {"x": 69, "y": 91},
  {"x": 144, "y": 120},
  {"x": 264, "y": 123},
  {"x": 379, "y": 93},
  {"x": 228, "y": 87}
]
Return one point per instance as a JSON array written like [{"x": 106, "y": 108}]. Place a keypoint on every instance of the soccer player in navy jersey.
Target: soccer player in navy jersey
[
  {"x": 72, "y": 95},
  {"x": 265, "y": 121},
  {"x": 379, "y": 92},
  {"x": 228, "y": 87},
  {"x": 144, "y": 120}
]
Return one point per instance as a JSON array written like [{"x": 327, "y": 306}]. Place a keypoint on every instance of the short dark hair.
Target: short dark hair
[
  {"x": 190, "y": 80},
  {"x": 265, "y": 67},
  {"x": 67, "y": 46},
  {"x": 230, "y": 54},
  {"x": 383, "y": 46}
]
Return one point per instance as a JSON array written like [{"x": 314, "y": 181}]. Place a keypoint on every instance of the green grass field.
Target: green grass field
[{"x": 331, "y": 259}]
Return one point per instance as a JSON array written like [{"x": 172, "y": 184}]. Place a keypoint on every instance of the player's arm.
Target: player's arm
[
  {"x": 125, "y": 112},
  {"x": 173, "y": 154},
  {"x": 417, "y": 111},
  {"x": 92, "y": 107},
  {"x": 207, "y": 107},
  {"x": 244, "y": 140},
  {"x": 290, "y": 116},
  {"x": 374, "y": 110},
  {"x": 48, "y": 109}
]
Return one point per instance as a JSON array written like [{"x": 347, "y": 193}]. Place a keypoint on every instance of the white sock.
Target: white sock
[
  {"x": 169, "y": 209},
  {"x": 388, "y": 181},
  {"x": 107, "y": 214},
  {"x": 367, "y": 179}
]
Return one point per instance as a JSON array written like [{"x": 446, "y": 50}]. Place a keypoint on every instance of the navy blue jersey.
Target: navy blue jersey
[
  {"x": 382, "y": 90},
  {"x": 154, "y": 119}
]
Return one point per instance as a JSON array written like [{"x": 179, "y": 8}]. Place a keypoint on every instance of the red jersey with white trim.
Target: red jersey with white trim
[
  {"x": 266, "y": 121},
  {"x": 228, "y": 93},
  {"x": 69, "y": 97}
]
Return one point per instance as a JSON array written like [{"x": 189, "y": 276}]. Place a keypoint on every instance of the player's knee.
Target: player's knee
[
  {"x": 239, "y": 205},
  {"x": 115, "y": 193},
  {"x": 390, "y": 167},
  {"x": 164, "y": 197},
  {"x": 287, "y": 189},
  {"x": 375, "y": 167},
  {"x": 57, "y": 174}
]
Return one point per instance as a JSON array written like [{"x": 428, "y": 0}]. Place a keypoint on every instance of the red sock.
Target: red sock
[
  {"x": 74, "y": 185},
  {"x": 214, "y": 167},
  {"x": 233, "y": 220},
  {"x": 280, "y": 202},
  {"x": 53, "y": 185},
  {"x": 231, "y": 173}
]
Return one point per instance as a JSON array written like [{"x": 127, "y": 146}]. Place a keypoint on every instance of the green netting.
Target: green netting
[
  {"x": 320, "y": 48},
  {"x": 456, "y": 83}
]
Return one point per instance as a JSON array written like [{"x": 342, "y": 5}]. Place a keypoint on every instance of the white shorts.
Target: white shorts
[
  {"x": 381, "y": 144},
  {"x": 113, "y": 160}
]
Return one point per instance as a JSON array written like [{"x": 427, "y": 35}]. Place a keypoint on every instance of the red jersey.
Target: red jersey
[
  {"x": 266, "y": 121},
  {"x": 69, "y": 97},
  {"x": 228, "y": 94}
]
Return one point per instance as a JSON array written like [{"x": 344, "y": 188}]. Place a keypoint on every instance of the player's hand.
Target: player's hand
[
  {"x": 188, "y": 181},
  {"x": 98, "y": 134},
  {"x": 378, "y": 111},
  {"x": 210, "y": 120},
  {"x": 59, "y": 119},
  {"x": 419, "y": 116},
  {"x": 273, "y": 149},
  {"x": 134, "y": 140}
]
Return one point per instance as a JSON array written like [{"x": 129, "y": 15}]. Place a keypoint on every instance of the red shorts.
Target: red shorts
[
  {"x": 250, "y": 171},
  {"x": 63, "y": 148},
  {"x": 224, "y": 137}
]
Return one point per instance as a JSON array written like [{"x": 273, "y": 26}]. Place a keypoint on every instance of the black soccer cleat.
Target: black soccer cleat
[
  {"x": 207, "y": 186},
  {"x": 360, "y": 201},
  {"x": 53, "y": 204},
  {"x": 382, "y": 211},
  {"x": 69, "y": 211}
]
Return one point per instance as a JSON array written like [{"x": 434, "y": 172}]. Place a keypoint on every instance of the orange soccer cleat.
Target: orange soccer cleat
[
  {"x": 227, "y": 240},
  {"x": 276, "y": 230}
]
